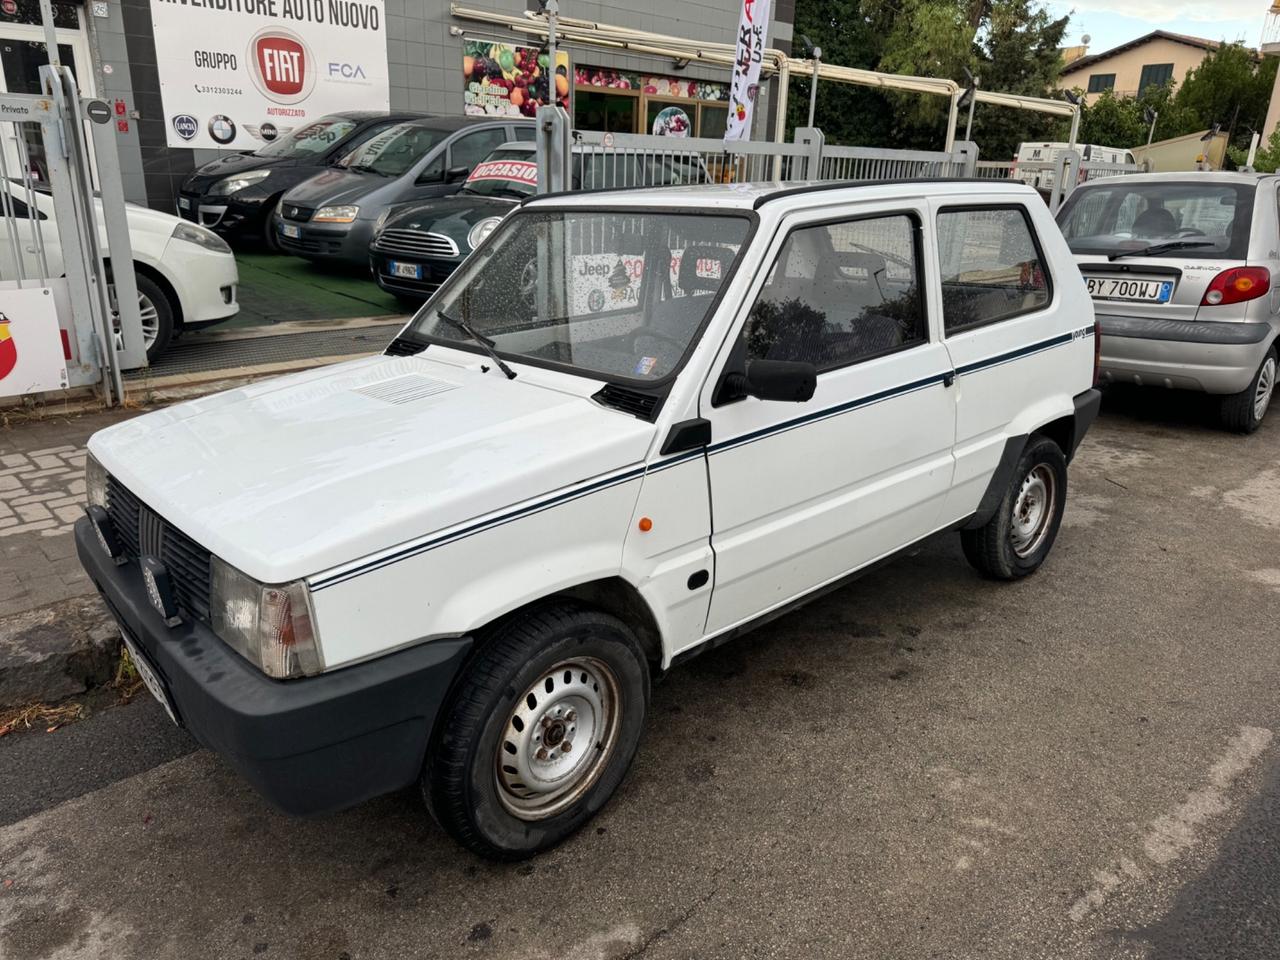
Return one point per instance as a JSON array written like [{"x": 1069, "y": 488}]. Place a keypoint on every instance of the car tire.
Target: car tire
[
  {"x": 1018, "y": 537},
  {"x": 270, "y": 240},
  {"x": 564, "y": 677},
  {"x": 157, "y": 313},
  {"x": 1243, "y": 412}
]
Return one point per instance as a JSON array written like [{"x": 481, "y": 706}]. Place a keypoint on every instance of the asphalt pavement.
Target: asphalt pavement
[{"x": 1083, "y": 764}]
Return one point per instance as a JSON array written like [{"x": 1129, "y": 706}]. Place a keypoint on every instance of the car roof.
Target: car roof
[
  {"x": 752, "y": 196},
  {"x": 362, "y": 115},
  {"x": 1183, "y": 176}
]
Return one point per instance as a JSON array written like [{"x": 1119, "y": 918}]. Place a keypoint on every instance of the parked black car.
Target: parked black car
[
  {"x": 418, "y": 245},
  {"x": 331, "y": 217},
  {"x": 235, "y": 195}
]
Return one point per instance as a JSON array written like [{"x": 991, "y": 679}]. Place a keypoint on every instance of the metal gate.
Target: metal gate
[{"x": 66, "y": 318}]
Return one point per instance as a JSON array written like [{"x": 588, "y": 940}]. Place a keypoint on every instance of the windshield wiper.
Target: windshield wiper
[
  {"x": 1161, "y": 248},
  {"x": 365, "y": 168},
  {"x": 485, "y": 343}
]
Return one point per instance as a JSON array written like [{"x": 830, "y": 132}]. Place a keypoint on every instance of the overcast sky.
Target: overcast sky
[{"x": 1214, "y": 20}]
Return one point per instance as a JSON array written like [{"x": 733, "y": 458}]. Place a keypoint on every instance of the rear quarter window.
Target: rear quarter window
[{"x": 991, "y": 266}]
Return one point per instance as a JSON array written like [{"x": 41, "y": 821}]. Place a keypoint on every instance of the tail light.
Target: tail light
[
  {"x": 1236, "y": 286},
  {"x": 1097, "y": 351}
]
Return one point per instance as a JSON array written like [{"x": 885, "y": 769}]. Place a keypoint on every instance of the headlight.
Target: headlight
[
  {"x": 234, "y": 184},
  {"x": 343, "y": 213},
  {"x": 270, "y": 625},
  {"x": 381, "y": 221},
  {"x": 95, "y": 482},
  {"x": 200, "y": 236},
  {"x": 480, "y": 232}
]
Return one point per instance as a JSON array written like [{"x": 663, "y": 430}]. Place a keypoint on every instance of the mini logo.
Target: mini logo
[
  {"x": 268, "y": 132},
  {"x": 282, "y": 67},
  {"x": 222, "y": 129},
  {"x": 8, "y": 349},
  {"x": 186, "y": 126}
]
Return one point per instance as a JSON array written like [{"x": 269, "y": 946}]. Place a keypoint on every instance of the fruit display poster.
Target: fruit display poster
[
  {"x": 683, "y": 88},
  {"x": 31, "y": 359},
  {"x": 503, "y": 80}
]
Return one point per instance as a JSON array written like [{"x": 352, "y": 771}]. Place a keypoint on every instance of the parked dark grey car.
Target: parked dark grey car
[{"x": 331, "y": 217}]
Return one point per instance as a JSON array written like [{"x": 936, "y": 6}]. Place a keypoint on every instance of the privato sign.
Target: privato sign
[
  {"x": 235, "y": 74},
  {"x": 753, "y": 22}
]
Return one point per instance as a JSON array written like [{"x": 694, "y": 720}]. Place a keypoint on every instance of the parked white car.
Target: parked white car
[
  {"x": 463, "y": 561},
  {"x": 186, "y": 274}
]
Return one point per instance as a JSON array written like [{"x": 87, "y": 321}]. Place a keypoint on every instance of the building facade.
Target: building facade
[
  {"x": 1130, "y": 68},
  {"x": 111, "y": 45}
]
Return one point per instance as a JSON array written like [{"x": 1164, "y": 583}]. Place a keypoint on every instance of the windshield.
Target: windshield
[
  {"x": 506, "y": 173},
  {"x": 619, "y": 294},
  {"x": 394, "y": 150},
  {"x": 311, "y": 140},
  {"x": 1116, "y": 216}
]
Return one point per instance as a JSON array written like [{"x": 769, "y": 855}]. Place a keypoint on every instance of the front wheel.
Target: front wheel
[
  {"x": 156, "y": 313},
  {"x": 539, "y": 733},
  {"x": 1243, "y": 411},
  {"x": 1016, "y": 540}
]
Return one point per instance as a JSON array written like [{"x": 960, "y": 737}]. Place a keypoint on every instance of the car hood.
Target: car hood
[
  {"x": 452, "y": 216},
  {"x": 335, "y": 185},
  {"x": 215, "y": 170},
  {"x": 291, "y": 477}
]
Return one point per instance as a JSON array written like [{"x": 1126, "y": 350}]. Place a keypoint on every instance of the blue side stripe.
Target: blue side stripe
[{"x": 423, "y": 545}]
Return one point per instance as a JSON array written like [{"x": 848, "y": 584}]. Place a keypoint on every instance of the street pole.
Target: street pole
[
  {"x": 1152, "y": 132},
  {"x": 973, "y": 102},
  {"x": 813, "y": 89}
]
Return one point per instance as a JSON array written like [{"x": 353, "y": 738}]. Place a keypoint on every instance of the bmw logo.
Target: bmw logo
[
  {"x": 222, "y": 129},
  {"x": 186, "y": 126}
]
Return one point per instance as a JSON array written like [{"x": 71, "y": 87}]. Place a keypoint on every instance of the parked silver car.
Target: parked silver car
[{"x": 1183, "y": 270}]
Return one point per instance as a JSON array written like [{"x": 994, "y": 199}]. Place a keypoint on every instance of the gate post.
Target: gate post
[
  {"x": 966, "y": 154},
  {"x": 554, "y": 148},
  {"x": 1068, "y": 169},
  {"x": 813, "y": 139}
]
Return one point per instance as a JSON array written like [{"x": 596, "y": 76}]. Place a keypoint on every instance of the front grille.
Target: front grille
[
  {"x": 294, "y": 211},
  {"x": 416, "y": 243},
  {"x": 144, "y": 533},
  {"x": 308, "y": 244}
]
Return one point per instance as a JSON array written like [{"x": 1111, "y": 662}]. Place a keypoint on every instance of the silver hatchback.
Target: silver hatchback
[{"x": 1184, "y": 271}]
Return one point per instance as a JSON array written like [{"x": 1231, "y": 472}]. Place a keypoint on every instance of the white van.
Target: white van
[
  {"x": 1036, "y": 164},
  {"x": 628, "y": 428}
]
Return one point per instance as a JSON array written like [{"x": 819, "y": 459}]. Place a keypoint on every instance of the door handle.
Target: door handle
[{"x": 949, "y": 378}]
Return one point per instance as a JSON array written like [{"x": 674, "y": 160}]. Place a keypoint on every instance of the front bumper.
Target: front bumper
[
  {"x": 309, "y": 746},
  {"x": 227, "y": 216},
  {"x": 206, "y": 282},
  {"x": 435, "y": 271},
  {"x": 1210, "y": 356},
  {"x": 337, "y": 242}
]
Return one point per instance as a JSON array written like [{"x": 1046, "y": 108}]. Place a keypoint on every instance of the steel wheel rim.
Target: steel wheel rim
[
  {"x": 1266, "y": 386},
  {"x": 558, "y": 739},
  {"x": 148, "y": 313},
  {"x": 1033, "y": 510}
]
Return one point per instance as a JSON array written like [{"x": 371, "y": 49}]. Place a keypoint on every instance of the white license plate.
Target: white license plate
[
  {"x": 1142, "y": 291},
  {"x": 411, "y": 270},
  {"x": 148, "y": 675},
  {"x": 289, "y": 230},
  {"x": 184, "y": 203}
]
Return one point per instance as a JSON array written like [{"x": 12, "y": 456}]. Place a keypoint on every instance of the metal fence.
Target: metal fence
[
  {"x": 874, "y": 163},
  {"x": 618, "y": 159}
]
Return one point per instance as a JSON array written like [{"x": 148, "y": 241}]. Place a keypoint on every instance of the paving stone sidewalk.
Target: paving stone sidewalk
[{"x": 41, "y": 496}]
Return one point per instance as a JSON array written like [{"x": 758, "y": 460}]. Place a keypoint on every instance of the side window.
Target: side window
[
  {"x": 526, "y": 133},
  {"x": 471, "y": 148},
  {"x": 840, "y": 293},
  {"x": 991, "y": 266},
  {"x": 433, "y": 172},
  {"x": 20, "y": 209}
]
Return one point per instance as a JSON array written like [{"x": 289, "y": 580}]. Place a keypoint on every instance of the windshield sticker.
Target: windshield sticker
[
  {"x": 519, "y": 170},
  {"x": 645, "y": 365}
]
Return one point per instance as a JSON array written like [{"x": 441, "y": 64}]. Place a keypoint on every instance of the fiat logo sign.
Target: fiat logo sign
[{"x": 281, "y": 65}]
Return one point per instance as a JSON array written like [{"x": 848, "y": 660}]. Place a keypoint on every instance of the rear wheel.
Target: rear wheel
[
  {"x": 1016, "y": 540},
  {"x": 540, "y": 732},
  {"x": 1243, "y": 412}
]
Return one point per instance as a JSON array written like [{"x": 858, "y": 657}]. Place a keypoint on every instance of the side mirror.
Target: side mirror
[
  {"x": 455, "y": 174},
  {"x": 790, "y": 381}
]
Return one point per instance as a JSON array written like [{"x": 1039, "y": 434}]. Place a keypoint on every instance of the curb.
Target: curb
[{"x": 55, "y": 652}]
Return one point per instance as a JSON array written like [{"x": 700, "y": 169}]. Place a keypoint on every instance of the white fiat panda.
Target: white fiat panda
[{"x": 630, "y": 427}]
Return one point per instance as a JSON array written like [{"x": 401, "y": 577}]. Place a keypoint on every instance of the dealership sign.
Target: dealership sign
[
  {"x": 240, "y": 74},
  {"x": 31, "y": 351}
]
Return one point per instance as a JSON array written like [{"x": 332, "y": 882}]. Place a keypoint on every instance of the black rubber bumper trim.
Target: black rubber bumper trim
[
  {"x": 1087, "y": 405},
  {"x": 1186, "y": 331},
  {"x": 309, "y": 746}
]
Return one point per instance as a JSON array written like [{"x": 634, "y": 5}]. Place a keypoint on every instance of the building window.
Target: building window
[
  {"x": 618, "y": 101},
  {"x": 1155, "y": 75},
  {"x": 1099, "y": 82}
]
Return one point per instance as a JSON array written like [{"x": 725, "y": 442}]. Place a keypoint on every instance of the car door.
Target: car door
[
  {"x": 19, "y": 256},
  {"x": 804, "y": 493},
  {"x": 1000, "y": 327}
]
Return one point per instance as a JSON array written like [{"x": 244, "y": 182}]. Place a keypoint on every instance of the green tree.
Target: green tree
[{"x": 1231, "y": 87}]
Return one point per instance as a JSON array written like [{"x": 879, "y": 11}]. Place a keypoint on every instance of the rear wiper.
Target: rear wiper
[
  {"x": 1161, "y": 248},
  {"x": 485, "y": 343}
]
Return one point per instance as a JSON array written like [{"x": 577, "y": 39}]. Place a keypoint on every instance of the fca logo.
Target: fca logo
[{"x": 349, "y": 71}]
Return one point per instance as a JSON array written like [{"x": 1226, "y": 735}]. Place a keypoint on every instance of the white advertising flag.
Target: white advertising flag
[
  {"x": 238, "y": 74},
  {"x": 752, "y": 24}
]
